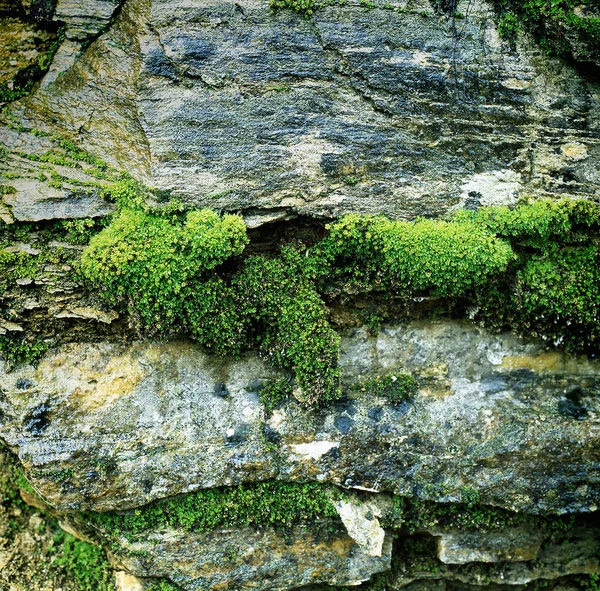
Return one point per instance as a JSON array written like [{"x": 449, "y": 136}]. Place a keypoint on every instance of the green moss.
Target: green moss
[
  {"x": 443, "y": 258},
  {"x": 412, "y": 514},
  {"x": 549, "y": 20},
  {"x": 533, "y": 268},
  {"x": 84, "y": 562},
  {"x": 17, "y": 349},
  {"x": 275, "y": 392},
  {"x": 152, "y": 262},
  {"x": 259, "y": 505},
  {"x": 396, "y": 387}
]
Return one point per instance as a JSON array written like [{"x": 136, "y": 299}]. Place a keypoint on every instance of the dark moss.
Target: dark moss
[{"x": 258, "y": 505}]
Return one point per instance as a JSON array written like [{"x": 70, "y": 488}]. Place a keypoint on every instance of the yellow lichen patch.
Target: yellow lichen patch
[
  {"x": 550, "y": 361},
  {"x": 94, "y": 376},
  {"x": 574, "y": 151}
]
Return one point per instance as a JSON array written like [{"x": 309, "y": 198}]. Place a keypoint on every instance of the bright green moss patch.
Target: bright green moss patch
[
  {"x": 533, "y": 268},
  {"x": 258, "y": 505},
  {"x": 85, "y": 563},
  {"x": 444, "y": 258},
  {"x": 152, "y": 262}
]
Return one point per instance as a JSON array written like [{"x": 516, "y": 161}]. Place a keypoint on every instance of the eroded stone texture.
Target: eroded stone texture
[
  {"x": 104, "y": 426},
  {"x": 574, "y": 553},
  {"x": 247, "y": 558},
  {"x": 231, "y": 106},
  {"x": 355, "y": 110}
]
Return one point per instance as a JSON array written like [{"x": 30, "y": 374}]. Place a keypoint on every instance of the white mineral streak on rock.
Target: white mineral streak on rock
[
  {"x": 360, "y": 520},
  {"x": 496, "y": 188},
  {"x": 315, "y": 449}
]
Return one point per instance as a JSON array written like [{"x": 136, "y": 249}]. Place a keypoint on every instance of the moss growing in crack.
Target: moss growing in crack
[
  {"x": 533, "y": 268},
  {"x": 412, "y": 514},
  {"x": 84, "y": 562},
  {"x": 444, "y": 258},
  {"x": 258, "y": 505},
  {"x": 554, "y": 23},
  {"x": 396, "y": 387}
]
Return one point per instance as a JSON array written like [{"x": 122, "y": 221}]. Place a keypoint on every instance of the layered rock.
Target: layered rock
[
  {"x": 108, "y": 427},
  {"x": 391, "y": 110},
  {"x": 378, "y": 111}
]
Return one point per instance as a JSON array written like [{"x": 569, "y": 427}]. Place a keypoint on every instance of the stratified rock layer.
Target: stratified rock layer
[
  {"x": 232, "y": 106},
  {"x": 107, "y": 427}
]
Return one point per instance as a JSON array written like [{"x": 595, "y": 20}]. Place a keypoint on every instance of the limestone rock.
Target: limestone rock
[
  {"x": 253, "y": 559},
  {"x": 361, "y": 522},
  {"x": 232, "y": 106},
  {"x": 505, "y": 546},
  {"x": 107, "y": 426}
]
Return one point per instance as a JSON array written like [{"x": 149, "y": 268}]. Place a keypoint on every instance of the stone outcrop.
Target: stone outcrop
[
  {"x": 386, "y": 108},
  {"x": 230, "y": 106},
  {"x": 108, "y": 427}
]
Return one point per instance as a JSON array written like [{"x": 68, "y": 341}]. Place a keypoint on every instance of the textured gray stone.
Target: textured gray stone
[
  {"x": 230, "y": 106},
  {"x": 247, "y": 558},
  {"x": 493, "y": 414}
]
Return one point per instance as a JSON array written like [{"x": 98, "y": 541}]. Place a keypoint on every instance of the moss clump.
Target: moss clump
[
  {"x": 396, "y": 387},
  {"x": 552, "y": 288},
  {"x": 152, "y": 262},
  {"x": 435, "y": 256},
  {"x": 168, "y": 270},
  {"x": 551, "y": 21},
  {"x": 84, "y": 562},
  {"x": 258, "y": 505}
]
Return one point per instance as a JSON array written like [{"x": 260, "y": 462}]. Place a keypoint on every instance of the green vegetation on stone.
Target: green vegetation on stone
[
  {"x": 152, "y": 262},
  {"x": 413, "y": 514},
  {"x": 396, "y": 387},
  {"x": 533, "y": 268},
  {"x": 553, "y": 23},
  {"x": 258, "y": 505},
  {"x": 275, "y": 392},
  {"x": 84, "y": 562}
]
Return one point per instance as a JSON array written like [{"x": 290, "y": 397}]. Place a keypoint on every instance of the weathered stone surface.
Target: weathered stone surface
[
  {"x": 105, "y": 426},
  {"x": 575, "y": 553},
  {"x": 505, "y": 546},
  {"x": 230, "y": 106},
  {"x": 253, "y": 559},
  {"x": 42, "y": 191},
  {"x": 361, "y": 521},
  {"x": 352, "y": 110}
]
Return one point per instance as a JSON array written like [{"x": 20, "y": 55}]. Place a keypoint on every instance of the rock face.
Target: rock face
[
  {"x": 106, "y": 427},
  {"x": 385, "y": 109},
  {"x": 228, "y": 105}
]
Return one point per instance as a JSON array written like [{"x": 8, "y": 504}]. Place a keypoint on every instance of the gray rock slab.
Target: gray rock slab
[
  {"x": 105, "y": 426},
  {"x": 247, "y": 558}
]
